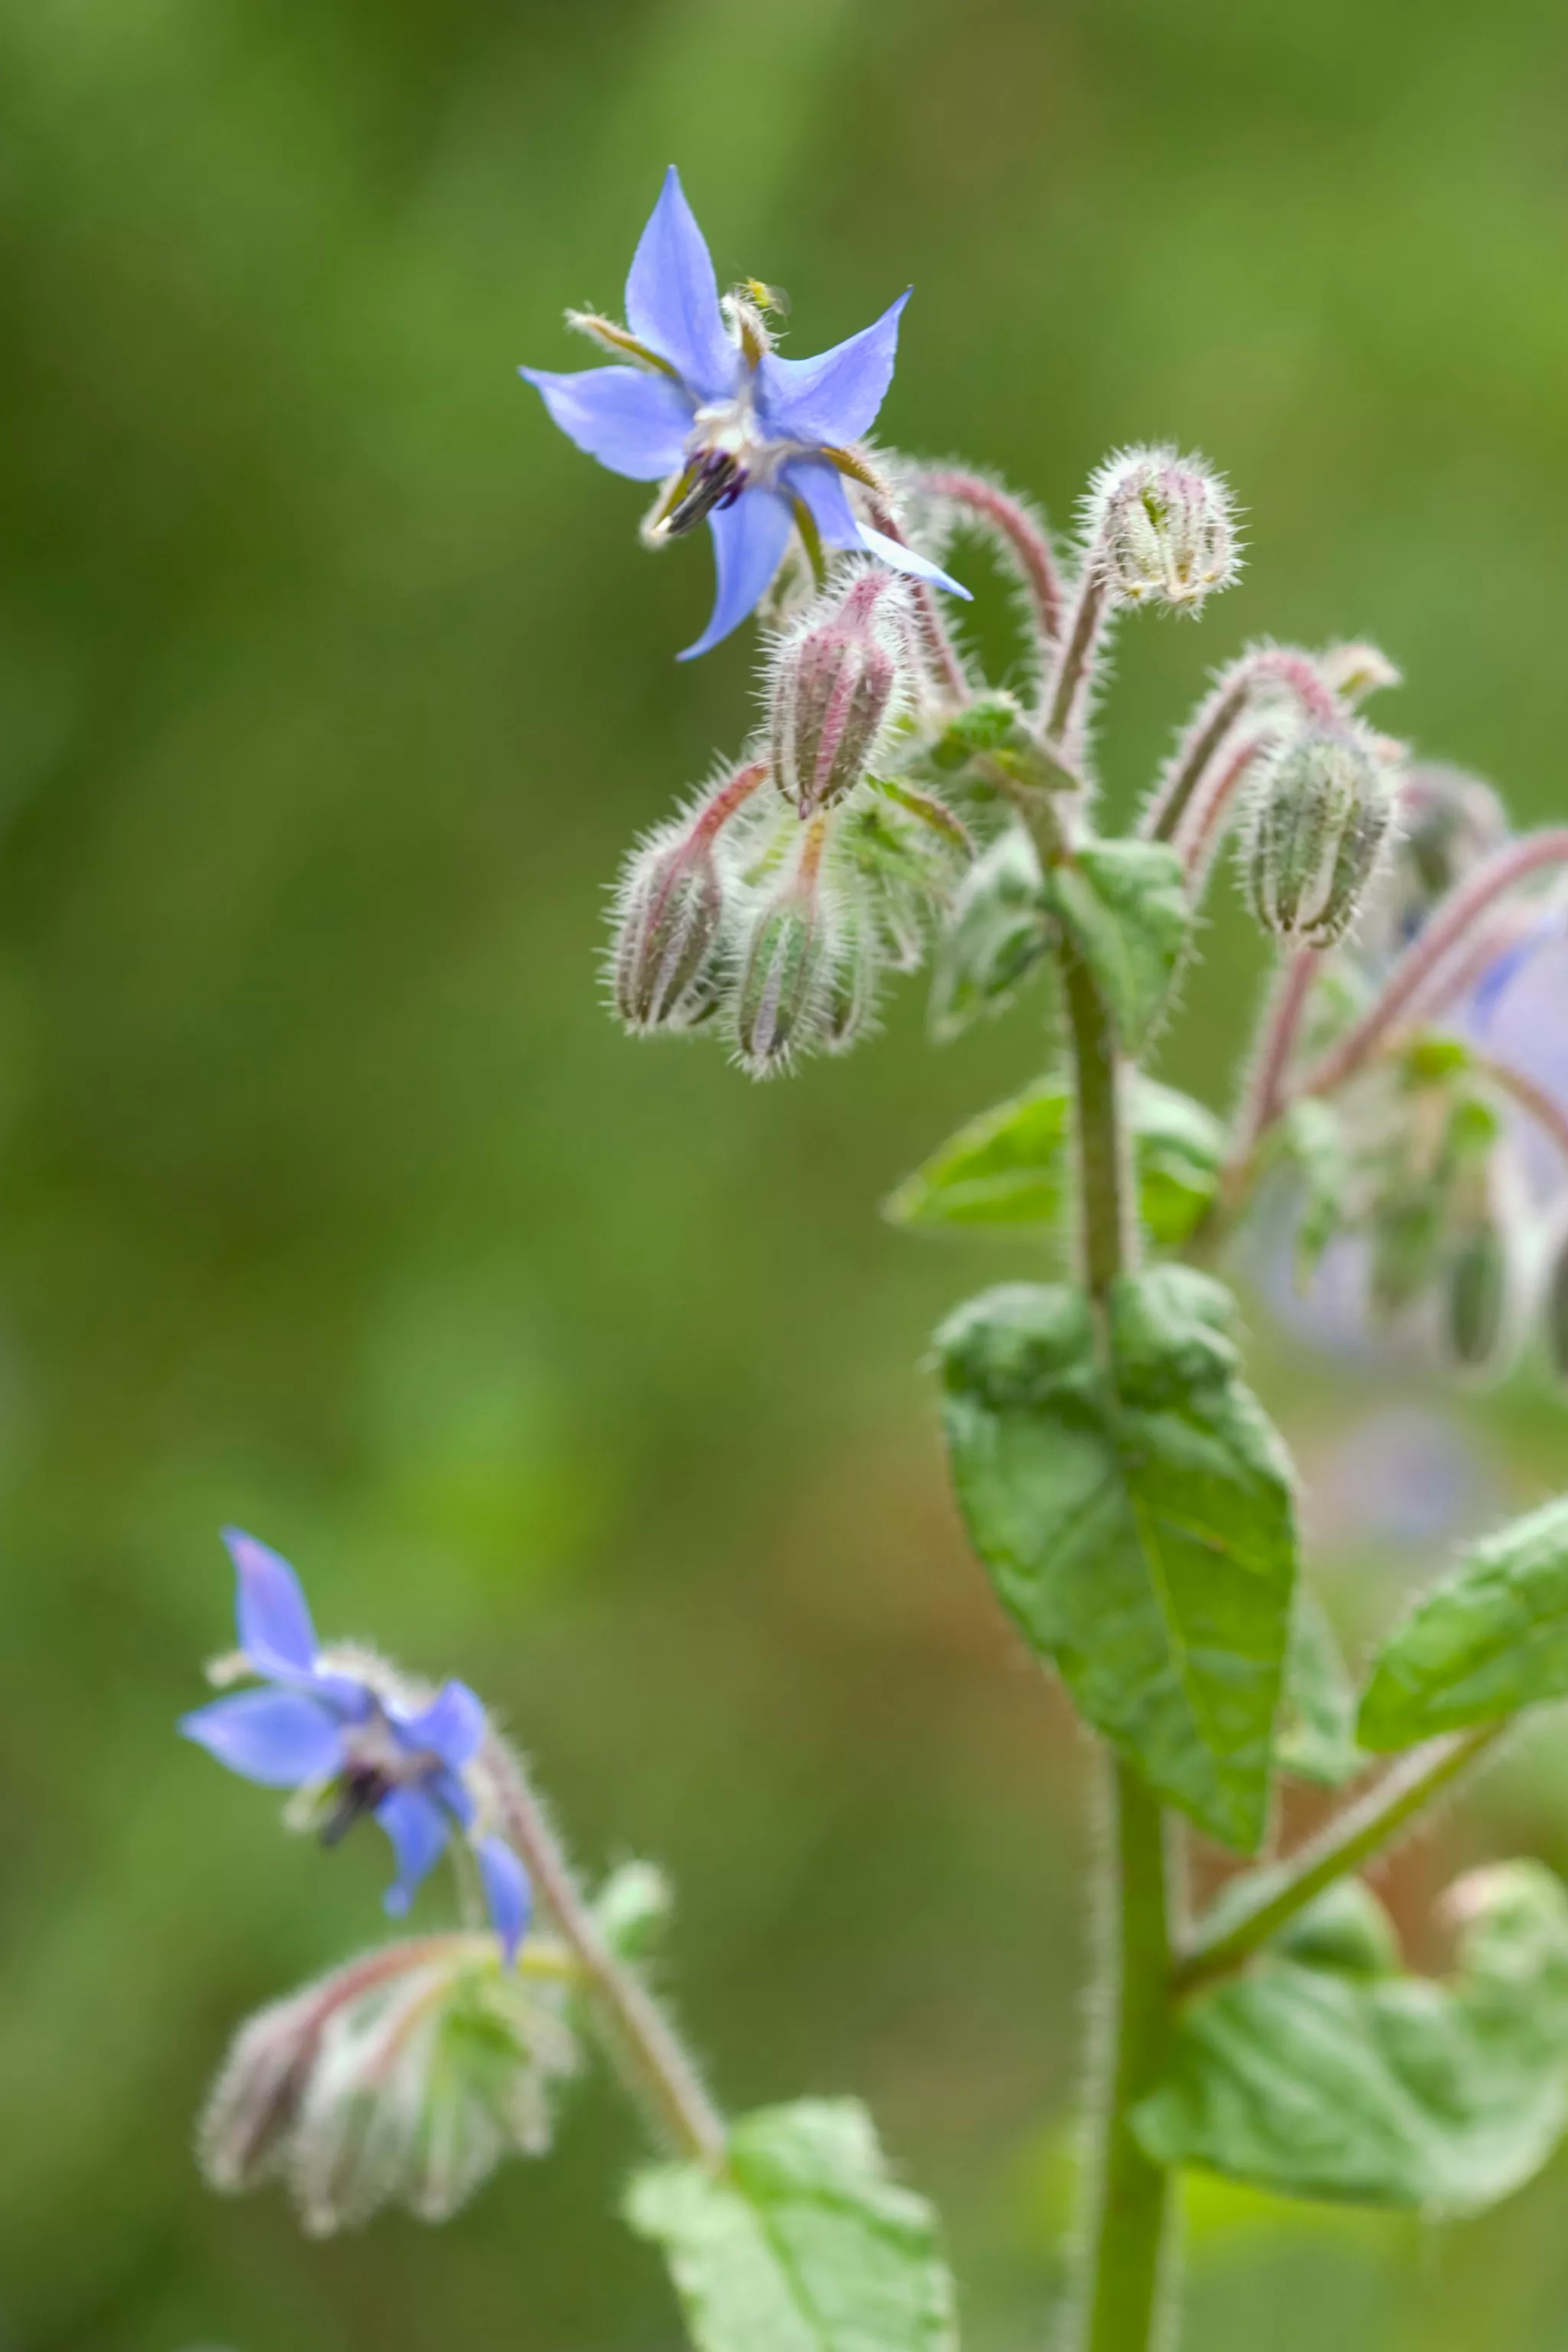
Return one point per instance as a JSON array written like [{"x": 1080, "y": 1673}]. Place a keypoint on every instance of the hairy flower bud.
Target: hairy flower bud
[
  {"x": 671, "y": 912},
  {"x": 835, "y": 680},
  {"x": 1319, "y": 817},
  {"x": 786, "y": 964},
  {"x": 401, "y": 2079},
  {"x": 1161, "y": 527}
]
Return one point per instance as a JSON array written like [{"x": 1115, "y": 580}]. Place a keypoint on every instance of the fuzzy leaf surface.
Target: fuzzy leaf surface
[
  {"x": 1137, "y": 1522},
  {"x": 1011, "y": 1166},
  {"x": 1125, "y": 906},
  {"x": 1383, "y": 2090},
  {"x": 807, "y": 2246},
  {"x": 998, "y": 935},
  {"x": 1488, "y": 1639},
  {"x": 1317, "y": 1737}
]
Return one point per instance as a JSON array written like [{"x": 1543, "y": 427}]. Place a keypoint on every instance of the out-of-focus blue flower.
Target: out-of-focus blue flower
[
  {"x": 750, "y": 442},
  {"x": 334, "y": 1722}
]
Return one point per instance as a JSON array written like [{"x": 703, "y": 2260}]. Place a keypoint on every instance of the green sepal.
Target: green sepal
[
  {"x": 991, "y": 742},
  {"x": 803, "y": 2245},
  {"x": 1136, "y": 1519},
  {"x": 1489, "y": 1639},
  {"x": 1377, "y": 2089},
  {"x": 1125, "y": 906},
  {"x": 997, "y": 936},
  {"x": 1011, "y": 1166},
  {"x": 1316, "y": 1739}
]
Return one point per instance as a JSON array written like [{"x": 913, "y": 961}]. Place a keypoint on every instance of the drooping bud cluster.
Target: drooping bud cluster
[
  {"x": 1319, "y": 816},
  {"x": 401, "y": 2079},
  {"x": 1161, "y": 529},
  {"x": 769, "y": 912}
]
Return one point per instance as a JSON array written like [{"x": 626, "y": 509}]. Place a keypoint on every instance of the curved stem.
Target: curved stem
[
  {"x": 1199, "y": 837},
  {"x": 1257, "y": 1907},
  {"x": 656, "y": 2064},
  {"x": 1270, "y": 666},
  {"x": 1533, "y": 1100},
  {"x": 941, "y": 652},
  {"x": 1075, "y": 669},
  {"x": 1442, "y": 934},
  {"x": 1266, "y": 1083},
  {"x": 1009, "y": 520}
]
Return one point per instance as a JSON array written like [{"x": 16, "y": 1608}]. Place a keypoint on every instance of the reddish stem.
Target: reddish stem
[
  {"x": 1013, "y": 522},
  {"x": 1200, "y": 837},
  {"x": 1443, "y": 933},
  {"x": 941, "y": 651}
]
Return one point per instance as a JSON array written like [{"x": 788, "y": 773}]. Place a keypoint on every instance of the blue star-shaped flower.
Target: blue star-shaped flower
[
  {"x": 319, "y": 1721},
  {"x": 752, "y": 443}
]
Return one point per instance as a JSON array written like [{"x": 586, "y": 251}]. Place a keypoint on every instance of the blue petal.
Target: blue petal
[
  {"x": 453, "y": 1793},
  {"x": 821, "y": 487},
  {"x": 672, "y": 298},
  {"x": 633, "y": 423},
  {"x": 417, "y": 1828},
  {"x": 507, "y": 1891},
  {"x": 835, "y": 397},
  {"x": 275, "y": 1629},
  {"x": 748, "y": 541},
  {"x": 451, "y": 1727},
  {"x": 279, "y": 1737}
]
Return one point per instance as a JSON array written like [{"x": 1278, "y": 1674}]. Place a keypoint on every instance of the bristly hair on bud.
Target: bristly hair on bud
[
  {"x": 1161, "y": 529},
  {"x": 792, "y": 942},
  {"x": 671, "y": 912},
  {"x": 401, "y": 2079},
  {"x": 836, "y": 682},
  {"x": 1318, "y": 818}
]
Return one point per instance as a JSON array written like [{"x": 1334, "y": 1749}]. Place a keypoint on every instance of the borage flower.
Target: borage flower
[
  {"x": 755, "y": 444},
  {"x": 340, "y": 1725}
]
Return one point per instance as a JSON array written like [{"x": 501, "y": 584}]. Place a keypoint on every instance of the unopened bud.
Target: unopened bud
[
  {"x": 1161, "y": 529},
  {"x": 1353, "y": 671},
  {"x": 783, "y": 991},
  {"x": 854, "y": 968},
  {"x": 836, "y": 678},
  {"x": 1320, "y": 816},
  {"x": 401, "y": 2079},
  {"x": 670, "y": 914},
  {"x": 1478, "y": 1297}
]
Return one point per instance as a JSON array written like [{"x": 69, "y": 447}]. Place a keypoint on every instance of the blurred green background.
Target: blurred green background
[{"x": 333, "y": 685}]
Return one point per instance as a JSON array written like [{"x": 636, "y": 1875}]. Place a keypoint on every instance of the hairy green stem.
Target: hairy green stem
[
  {"x": 1257, "y": 1907},
  {"x": 1126, "y": 2235},
  {"x": 655, "y": 2064}
]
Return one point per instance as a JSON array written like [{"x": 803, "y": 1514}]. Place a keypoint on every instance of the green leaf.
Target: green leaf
[
  {"x": 1011, "y": 1167},
  {"x": 1317, "y": 1731},
  {"x": 1137, "y": 1522},
  {"x": 999, "y": 933},
  {"x": 1124, "y": 905},
  {"x": 1177, "y": 1150},
  {"x": 804, "y": 2245},
  {"x": 1491, "y": 1638},
  {"x": 1389, "y": 2090}
]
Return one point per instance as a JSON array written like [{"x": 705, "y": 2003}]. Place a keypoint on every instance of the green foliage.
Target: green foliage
[
  {"x": 1385, "y": 2090},
  {"x": 1011, "y": 1166},
  {"x": 804, "y": 2245},
  {"x": 1317, "y": 1738},
  {"x": 998, "y": 936},
  {"x": 1136, "y": 1519},
  {"x": 1490, "y": 1639},
  {"x": 1125, "y": 906}
]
